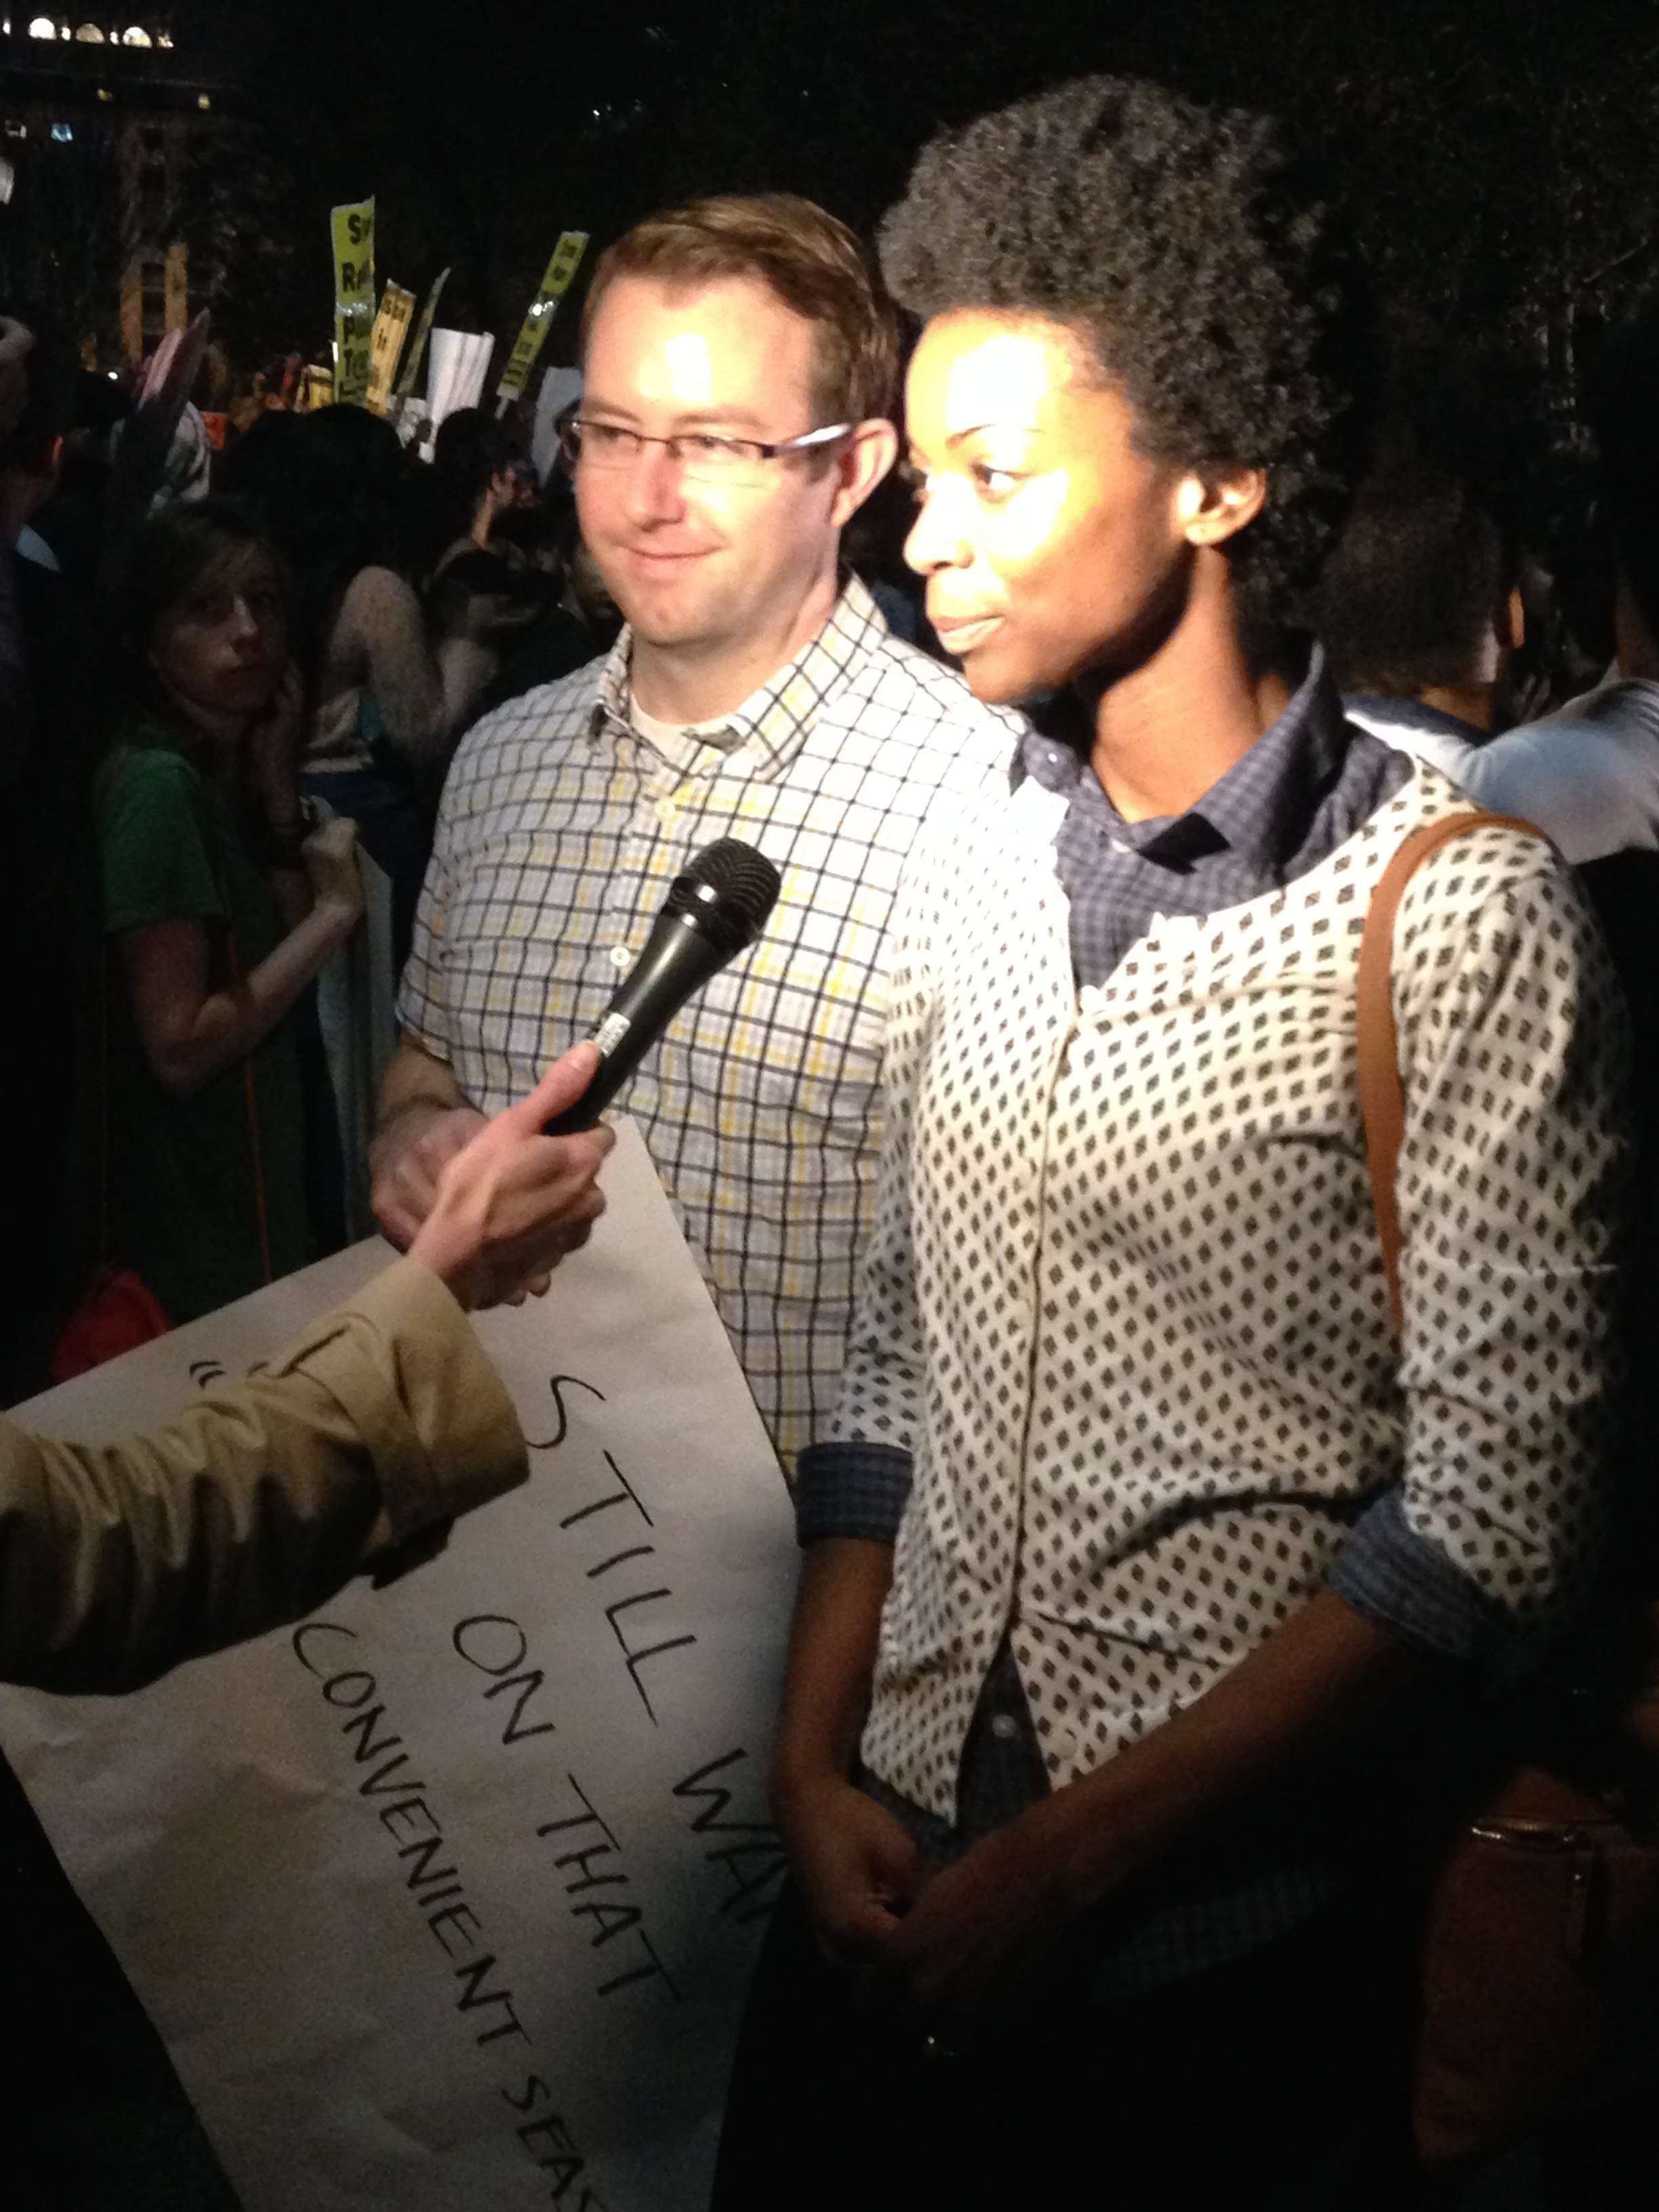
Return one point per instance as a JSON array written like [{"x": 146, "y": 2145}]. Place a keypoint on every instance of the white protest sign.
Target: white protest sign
[
  {"x": 458, "y": 361},
  {"x": 559, "y": 387},
  {"x": 445, "y": 1899}
]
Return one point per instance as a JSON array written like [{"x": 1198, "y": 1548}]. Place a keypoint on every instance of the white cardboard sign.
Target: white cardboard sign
[{"x": 448, "y": 1898}]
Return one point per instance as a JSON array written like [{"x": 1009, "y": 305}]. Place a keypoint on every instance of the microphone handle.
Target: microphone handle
[{"x": 678, "y": 959}]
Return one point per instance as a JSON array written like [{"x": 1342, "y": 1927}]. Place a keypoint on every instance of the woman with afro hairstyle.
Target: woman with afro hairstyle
[{"x": 1141, "y": 1554}]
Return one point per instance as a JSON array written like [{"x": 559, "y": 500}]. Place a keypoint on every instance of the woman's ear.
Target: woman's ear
[{"x": 1210, "y": 509}]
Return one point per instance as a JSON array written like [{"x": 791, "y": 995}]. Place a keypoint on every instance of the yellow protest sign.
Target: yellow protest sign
[
  {"x": 386, "y": 342},
  {"x": 556, "y": 282},
  {"x": 352, "y": 229}
]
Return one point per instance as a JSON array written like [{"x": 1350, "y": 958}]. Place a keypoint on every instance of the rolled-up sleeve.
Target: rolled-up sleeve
[
  {"x": 852, "y": 1490},
  {"x": 117, "y": 1561}
]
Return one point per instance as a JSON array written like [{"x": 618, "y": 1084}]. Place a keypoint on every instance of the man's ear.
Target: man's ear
[
  {"x": 1509, "y": 620},
  {"x": 862, "y": 463},
  {"x": 1209, "y": 509}
]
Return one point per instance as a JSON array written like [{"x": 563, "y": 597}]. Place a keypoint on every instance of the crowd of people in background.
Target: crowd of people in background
[{"x": 205, "y": 726}]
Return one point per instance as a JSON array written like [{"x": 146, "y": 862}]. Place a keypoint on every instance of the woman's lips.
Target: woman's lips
[{"x": 959, "y": 634}]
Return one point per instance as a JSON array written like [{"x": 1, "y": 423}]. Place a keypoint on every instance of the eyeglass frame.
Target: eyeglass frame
[{"x": 763, "y": 449}]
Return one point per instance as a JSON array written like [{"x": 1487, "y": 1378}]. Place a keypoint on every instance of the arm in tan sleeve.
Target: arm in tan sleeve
[{"x": 117, "y": 1561}]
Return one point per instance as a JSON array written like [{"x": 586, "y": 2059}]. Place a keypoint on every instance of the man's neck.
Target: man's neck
[
  {"x": 1464, "y": 702},
  {"x": 683, "y": 684},
  {"x": 1172, "y": 727}
]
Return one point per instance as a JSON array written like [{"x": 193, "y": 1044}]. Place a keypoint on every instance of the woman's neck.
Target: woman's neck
[
  {"x": 215, "y": 738},
  {"x": 1173, "y": 725}
]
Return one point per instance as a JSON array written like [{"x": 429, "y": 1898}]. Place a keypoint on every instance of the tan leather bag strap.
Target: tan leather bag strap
[{"x": 1382, "y": 1102}]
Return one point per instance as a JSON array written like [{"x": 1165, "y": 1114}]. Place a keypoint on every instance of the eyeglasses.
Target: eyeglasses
[{"x": 705, "y": 455}]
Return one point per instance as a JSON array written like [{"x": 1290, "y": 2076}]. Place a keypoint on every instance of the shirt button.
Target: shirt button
[
  {"x": 1004, "y": 1727},
  {"x": 620, "y": 956}
]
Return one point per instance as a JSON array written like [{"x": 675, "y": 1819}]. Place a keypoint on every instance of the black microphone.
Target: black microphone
[{"x": 716, "y": 910}]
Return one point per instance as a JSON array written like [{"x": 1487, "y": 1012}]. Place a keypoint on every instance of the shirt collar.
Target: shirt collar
[
  {"x": 774, "y": 722},
  {"x": 1260, "y": 809},
  {"x": 1411, "y": 714}
]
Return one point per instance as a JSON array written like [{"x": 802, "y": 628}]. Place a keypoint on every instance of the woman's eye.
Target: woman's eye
[{"x": 997, "y": 483}]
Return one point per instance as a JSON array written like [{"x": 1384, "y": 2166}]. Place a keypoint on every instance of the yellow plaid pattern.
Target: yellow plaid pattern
[{"x": 560, "y": 829}]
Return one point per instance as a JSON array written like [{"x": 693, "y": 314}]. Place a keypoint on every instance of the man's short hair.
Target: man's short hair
[
  {"x": 1407, "y": 598},
  {"x": 1201, "y": 273},
  {"x": 812, "y": 262}
]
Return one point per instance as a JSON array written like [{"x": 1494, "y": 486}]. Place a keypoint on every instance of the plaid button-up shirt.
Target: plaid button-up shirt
[{"x": 561, "y": 830}]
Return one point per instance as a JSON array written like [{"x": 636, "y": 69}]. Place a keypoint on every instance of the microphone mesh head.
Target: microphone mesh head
[{"x": 744, "y": 882}]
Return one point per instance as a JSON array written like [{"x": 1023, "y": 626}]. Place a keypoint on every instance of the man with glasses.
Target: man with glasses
[{"x": 740, "y": 369}]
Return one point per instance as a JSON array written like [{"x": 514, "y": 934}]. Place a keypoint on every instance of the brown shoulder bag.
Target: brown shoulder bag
[{"x": 1539, "y": 1970}]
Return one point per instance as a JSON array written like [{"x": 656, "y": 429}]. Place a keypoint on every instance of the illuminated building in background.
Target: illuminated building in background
[{"x": 118, "y": 81}]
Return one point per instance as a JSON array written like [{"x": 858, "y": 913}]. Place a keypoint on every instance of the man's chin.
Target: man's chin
[{"x": 666, "y": 617}]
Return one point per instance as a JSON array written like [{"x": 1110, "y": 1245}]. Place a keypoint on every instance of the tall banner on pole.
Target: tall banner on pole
[
  {"x": 386, "y": 342},
  {"x": 352, "y": 230},
  {"x": 556, "y": 282},
  {"x": 412, "y": 359}
]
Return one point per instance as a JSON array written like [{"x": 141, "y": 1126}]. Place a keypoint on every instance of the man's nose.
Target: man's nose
[{"x": 655, "y": 491}]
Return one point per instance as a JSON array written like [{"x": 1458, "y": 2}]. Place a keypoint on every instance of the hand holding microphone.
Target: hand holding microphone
[
  {"x": 437, "y": 1157},
  {"x": 714, "y": 911},
  {"x": 509, "y": 1205}
]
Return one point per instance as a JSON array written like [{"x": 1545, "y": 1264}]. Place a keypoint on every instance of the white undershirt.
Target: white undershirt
[{"x": 663, "y": 735}]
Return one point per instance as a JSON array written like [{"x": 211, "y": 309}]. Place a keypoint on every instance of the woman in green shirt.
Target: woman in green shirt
[{"x": 219, "y": 905}]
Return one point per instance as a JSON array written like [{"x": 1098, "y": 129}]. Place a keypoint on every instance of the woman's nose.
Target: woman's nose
[{"x": 937, "y": 539}]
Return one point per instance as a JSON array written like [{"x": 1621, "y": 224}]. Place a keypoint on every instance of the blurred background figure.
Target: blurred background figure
[
  {"x": 204, "y": 1149},
  {"x": 453, "y": 503},
  {"x": 387, "y": 682},
  {"x": 1421, "y": 612}
]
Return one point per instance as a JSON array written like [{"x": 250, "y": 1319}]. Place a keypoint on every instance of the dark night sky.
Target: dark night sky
[{"x": 1499, "y": 156}]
